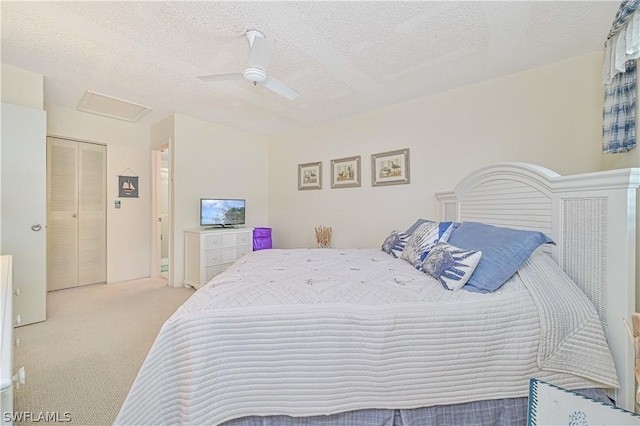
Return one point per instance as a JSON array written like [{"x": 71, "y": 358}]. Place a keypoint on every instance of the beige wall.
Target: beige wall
[
  {"x": 162, "y": 131},
  {"x": 21, "y": 87},
  {"x": 550, "y": 116},
  {"x": 621, "y": 160},
  {"x": 215, "y": 161},
  {"x": 128, "y": 228}
]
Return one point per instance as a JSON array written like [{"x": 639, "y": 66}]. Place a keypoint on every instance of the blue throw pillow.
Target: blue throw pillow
[
  {"x": 394, "y": 244},
  {"x": 504, "y": 250}
]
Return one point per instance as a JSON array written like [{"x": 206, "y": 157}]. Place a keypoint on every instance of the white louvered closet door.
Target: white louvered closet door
[
  {"x": 76, "y": 219},
  {"x": 62, "y": 214},
  {"x": 92, "y": 239}
]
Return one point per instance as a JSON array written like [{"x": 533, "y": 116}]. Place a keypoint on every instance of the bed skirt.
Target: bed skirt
[{"x": 497, "y": 412}]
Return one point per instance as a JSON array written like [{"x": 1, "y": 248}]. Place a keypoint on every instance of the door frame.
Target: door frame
[{"x": 156, "y": 207}]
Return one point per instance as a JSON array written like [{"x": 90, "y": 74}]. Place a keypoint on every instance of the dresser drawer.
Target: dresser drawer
[
  {"x": 229, "y": 255},
  {"x": 213, "y": 257},
  {"x": 213, "y": 241},
  {"x": 245, "y": 238},
  {"x": 212, "y": 271},
  {"x": 241, "y": 251}
]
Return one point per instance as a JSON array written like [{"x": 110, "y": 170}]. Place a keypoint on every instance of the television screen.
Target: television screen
[{"x": 221, "y": 212}]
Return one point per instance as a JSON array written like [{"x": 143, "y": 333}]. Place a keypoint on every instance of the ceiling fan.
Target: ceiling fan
[{"x": 256, "y": 71}]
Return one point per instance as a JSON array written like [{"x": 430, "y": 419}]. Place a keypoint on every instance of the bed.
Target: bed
[{"x": 324, "y": 336}]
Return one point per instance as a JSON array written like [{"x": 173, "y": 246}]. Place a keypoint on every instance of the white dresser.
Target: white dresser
[{"x": 211, "y": 251}]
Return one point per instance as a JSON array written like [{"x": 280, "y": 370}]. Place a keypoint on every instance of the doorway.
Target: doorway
[
  {"x": 164, "y": 214},
  {"x": 161, "y": 253}
]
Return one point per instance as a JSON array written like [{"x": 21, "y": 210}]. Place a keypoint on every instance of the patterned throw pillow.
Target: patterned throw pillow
[
  {"x": 423, "y": 239},
  {"x": 394, "y": 244},
  {"x": 450, "y": 265},
  {"x": 415, "y": 226}
]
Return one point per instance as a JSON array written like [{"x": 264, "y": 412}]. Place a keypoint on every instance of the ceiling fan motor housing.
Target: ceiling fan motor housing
[
  {"x": 256, "y": 71},
  {"x": 255, "y": 75},
  {"x": 252, "y": 34}
]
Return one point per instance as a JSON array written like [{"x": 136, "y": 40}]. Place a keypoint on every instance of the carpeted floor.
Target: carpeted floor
[{"x": 81, "y": 362}]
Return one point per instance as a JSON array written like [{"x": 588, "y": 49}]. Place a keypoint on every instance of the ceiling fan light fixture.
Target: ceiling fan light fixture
[{"x": 255, "y": 75}]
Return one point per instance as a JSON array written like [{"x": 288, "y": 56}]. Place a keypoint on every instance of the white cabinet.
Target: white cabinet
[
  {"x": 211, "y": 251},
  {"x": 6, "y": 342}
]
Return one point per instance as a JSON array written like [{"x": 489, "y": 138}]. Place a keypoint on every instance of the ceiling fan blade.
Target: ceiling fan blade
[
  {"x": 260, "y": 53},
  {"x": 280, "y": 88},
  {"x": 221, "y": 77}
]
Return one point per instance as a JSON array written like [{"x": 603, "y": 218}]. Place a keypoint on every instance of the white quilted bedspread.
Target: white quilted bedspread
[{"x": 312, "y": 332}]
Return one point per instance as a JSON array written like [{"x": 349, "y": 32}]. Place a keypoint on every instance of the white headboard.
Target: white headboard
[{"x": 592, "y": 219}]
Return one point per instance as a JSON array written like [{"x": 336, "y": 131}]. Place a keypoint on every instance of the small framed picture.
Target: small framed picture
[
  {"x": 310, "y": 175},
  {"x": 390, "y": 168},
  {"x": 128, "y": 186},
  {"x": 345, "y": 172}
]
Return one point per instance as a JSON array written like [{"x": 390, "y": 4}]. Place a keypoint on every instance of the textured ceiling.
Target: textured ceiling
[{"x": 344, "y": 58}]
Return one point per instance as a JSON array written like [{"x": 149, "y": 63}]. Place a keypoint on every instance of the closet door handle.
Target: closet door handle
[
  {"x": 36, "y": 227},
  {"x": 74, "y": 215}
]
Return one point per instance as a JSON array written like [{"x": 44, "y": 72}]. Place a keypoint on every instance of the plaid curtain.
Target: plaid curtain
[
  {"x": 627, "y": 8},
  {"x": 619, "y": 112},
  {"x": 619, "y": 116}
]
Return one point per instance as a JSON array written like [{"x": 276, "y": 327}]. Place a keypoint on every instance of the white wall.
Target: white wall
[
  {"x": 550, "y": 116},
  {"x": 128, "y": 228},
  {"x": 215, "y": 161}
]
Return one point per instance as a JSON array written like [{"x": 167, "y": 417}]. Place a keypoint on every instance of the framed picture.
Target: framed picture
[
  {"x": 345, "y": 172},
  {"x": 310, "y": 176},
  {"x": 390, "y": 168},
  {"x": 128, "y": 186}
]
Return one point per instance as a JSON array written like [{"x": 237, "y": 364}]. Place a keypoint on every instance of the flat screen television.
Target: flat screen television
[{"x": 221, "y": 212}]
